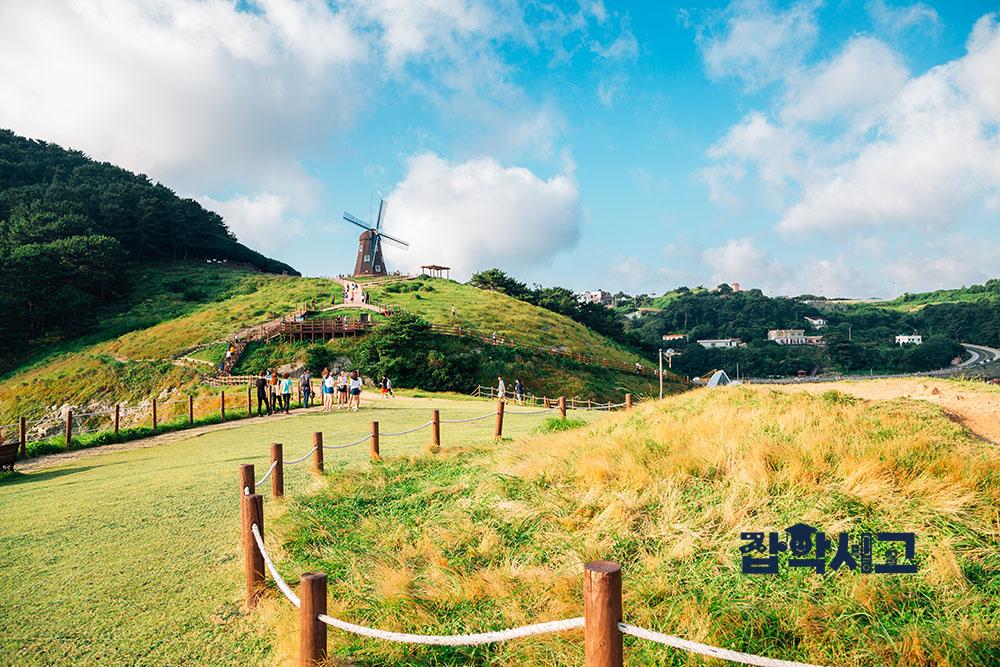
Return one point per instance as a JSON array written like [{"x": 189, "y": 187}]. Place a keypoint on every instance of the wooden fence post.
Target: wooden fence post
[
  {"x": 562, "y": 407},
  {"x": 374, "y": 441},
  {"x": 69, "y": 428},
  {"x": 222, "y": 404},
  {"x": 628, "y": 401},
  {"x": 278, "y": 474},
  {"x": 436, "y": 428},
  {"x": 318, "y": 455},
  {"x": 22, "y": 435},
  {"x": 118, "y": 415},
  {"x": 190, "y": 409},
  {"x": 253, "y": 558},
  {"x": 498, "y": 431},
  {"x": 312, "y": 632},
  {"x": 154, "y": 414},
  {"x": 247, "y": 484},
  {"x": 602, "y": 611},
  {"x": 545, "y": 402}
]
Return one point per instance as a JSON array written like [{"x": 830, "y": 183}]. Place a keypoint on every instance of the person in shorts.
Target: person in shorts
[{"x": 355, "y": 389}]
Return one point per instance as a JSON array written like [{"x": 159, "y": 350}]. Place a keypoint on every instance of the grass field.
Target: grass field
[
  {"x": 132, "y": 557},
  {"x": 495, "y": 537}
]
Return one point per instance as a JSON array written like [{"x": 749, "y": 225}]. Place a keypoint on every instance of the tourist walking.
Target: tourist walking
[
  {"x": 261, "y": 384},
  {"x": 305, "y": 387},
  {"x": 342, "y": 396},
  {"x": 355, "y": 388},
  {"x": 501, "y": 388},
  {"x": 519, "y": 392},
  {"x": 273, "y": 392},
  {"x": 388, "y": 386},
  {"x": 286, "y": 391},
  {"x": 328, "y": 385}
]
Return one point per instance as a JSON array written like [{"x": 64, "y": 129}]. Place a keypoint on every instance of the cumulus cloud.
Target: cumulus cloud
[
  {"x": 857, "y": 143},
  {"x": 187, "y": 91},
  {"x": 936, "y": 158},
  {"x": 754, "y": 42},
  {"x": 743, "y": 261},
  {"x": 261, "y": 221},
  {"x": 856, "y": 84},
  {"x": 479, "y": 214},
  {"x": 898, "y": 20}
]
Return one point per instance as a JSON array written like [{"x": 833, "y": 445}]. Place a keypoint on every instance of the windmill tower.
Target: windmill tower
[{"x": 370, "y": 261}]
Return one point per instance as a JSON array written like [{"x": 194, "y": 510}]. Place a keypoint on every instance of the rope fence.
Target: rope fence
[{"x": 603, "y": 629}]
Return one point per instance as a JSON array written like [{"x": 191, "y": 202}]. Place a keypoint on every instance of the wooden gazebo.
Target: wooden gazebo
[{"x": 435, "y": 271}]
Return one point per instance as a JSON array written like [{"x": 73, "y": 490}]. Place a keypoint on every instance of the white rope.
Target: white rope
[
  {"x": 527, "y": 412},
  {"x": 246, "y": 490},
  {"x": 464, "y": 421},
  {"x": 705, "y": 649},
  {"x": 389, "y": 435},
  {"x": 266, "y": 475},
  {"x": 350, "y": 444},
  {"x": 282, "y": 586},
  {"x": 456, "y": 640},
  {"x": 299, "y": 460}
]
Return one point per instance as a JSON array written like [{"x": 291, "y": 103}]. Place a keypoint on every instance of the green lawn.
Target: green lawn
[{"x": 132, "y": 557}]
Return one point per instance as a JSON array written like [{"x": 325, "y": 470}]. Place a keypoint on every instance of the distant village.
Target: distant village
[{"x": 778, "y": 336}]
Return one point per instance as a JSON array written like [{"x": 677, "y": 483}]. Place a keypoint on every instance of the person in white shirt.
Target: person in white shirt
[
  {"x": 501, "y": 388},
  {"x": 328, "y": 385},
  {"x": 355, "y": 387}
]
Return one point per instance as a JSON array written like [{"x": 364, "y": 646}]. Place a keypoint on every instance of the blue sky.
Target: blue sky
[{"x": 839, "y": 147}]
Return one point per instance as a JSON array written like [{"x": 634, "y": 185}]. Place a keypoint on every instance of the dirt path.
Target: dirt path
[{"x": 977, "y": 407}]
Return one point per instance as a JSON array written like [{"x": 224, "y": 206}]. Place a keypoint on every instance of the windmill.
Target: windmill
[{"x": 370, "y": 261}]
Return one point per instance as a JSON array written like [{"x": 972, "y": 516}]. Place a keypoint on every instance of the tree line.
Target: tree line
[{"x": 70, "y": 226}]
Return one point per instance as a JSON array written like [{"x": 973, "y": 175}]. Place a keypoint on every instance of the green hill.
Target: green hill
[
  {"x": 73, "y": 233},
  {"x": 178, "y": 306}
]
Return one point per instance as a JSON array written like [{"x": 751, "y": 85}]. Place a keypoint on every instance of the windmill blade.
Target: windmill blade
[
  {"x": 383, "y": 208},
  {"x": 351, "y": 218},
  {"x": 393, "y": 241}
]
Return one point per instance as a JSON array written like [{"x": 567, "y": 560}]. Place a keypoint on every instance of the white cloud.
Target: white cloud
[
  {"x": 856, "y": 84},
  {"x": 632, "y": 271},
  {"x": 742, "y": 261},
  {"x": 754, "y": 42},
  {"x": 897, "y": 20},
  {"x": 918, "y": 151},
  {"x": 624, "y": 47},
  {"x": 191, "y": 92},
  {"x": 937, "y": 156},
  {"x": 479, "y": 214},
  {"x": 261, "y": 221},
  {"x": 968, "y": 261}
]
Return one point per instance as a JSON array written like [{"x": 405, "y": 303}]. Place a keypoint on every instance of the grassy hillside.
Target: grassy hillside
[
  {"x": 486, "y": 538},
  {"x": 990, "y": 291},
  {"x": 177, "y": 306},
  {"x": 488, "y": 311}
]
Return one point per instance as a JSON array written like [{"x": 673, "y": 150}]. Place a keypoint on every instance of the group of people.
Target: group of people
[
  {"x": 342, "y": 390},
  {"x": 354, "y": 294},
  {"x": 518, "y": 390},
  {"x": 274, "y": 392}
]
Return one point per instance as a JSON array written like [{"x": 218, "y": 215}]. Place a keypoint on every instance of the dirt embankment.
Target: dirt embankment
[{"x": 977, "y": 407}]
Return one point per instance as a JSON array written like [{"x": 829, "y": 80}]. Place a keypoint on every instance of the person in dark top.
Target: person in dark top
[
  {"x": 305, "y": 383},
  {"x": 262, "y": 391}
]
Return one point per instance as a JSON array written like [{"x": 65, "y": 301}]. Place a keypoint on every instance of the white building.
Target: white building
[
  {"x": 720, "y": 342},
  {"x": 597, "y": 296},
  {"x": 816, "y": 322},
  {"x": 909, "y": 340},
  {"x": 787, "y": 336},
  {"x": 673, "y": 336}
]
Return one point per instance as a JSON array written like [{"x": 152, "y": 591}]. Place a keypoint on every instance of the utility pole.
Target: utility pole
[{"x": 659, "y": 357}]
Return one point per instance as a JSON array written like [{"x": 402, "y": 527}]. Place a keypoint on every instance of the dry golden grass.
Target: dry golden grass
[{"x": 484, "y": 539}]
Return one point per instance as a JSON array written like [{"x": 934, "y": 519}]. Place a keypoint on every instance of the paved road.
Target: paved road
[{"x": 980, "y": 357}]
